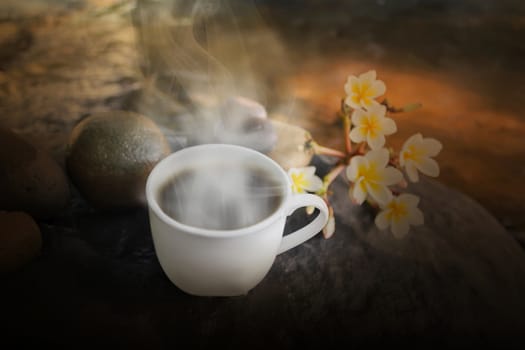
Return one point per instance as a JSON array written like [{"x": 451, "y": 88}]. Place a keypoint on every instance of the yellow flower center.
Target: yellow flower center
[
  {"x": 362, "y": 92},
  {"x": 396, "y": 211},
  {"x": 368, "y": 173},
  {"x": 298, "y": 182},
  {"x": 371, "y": 125},
  {"x": 413, "y": 153}
]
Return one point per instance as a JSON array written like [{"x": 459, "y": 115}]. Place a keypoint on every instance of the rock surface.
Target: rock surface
[
  {"x": 20, "y": 241},
  {"x": 460, "y": 279},
  {"x": 110, "y": 156},
  {"x": 30, "y": 180}
]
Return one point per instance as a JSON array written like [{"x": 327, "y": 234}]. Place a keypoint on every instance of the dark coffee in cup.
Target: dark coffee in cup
[{"x": 221, "y": 196}]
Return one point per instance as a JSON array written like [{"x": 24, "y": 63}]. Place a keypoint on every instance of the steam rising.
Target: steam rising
[
  {"x": 221, "y": 196},
  {"x": 209, "y": 64}
]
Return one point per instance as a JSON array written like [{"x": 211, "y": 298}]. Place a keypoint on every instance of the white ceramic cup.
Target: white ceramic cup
[{"x": 224, "y": 262}]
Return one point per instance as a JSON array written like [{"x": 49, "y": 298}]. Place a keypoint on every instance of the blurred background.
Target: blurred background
[{"x": 463, "y": 60}]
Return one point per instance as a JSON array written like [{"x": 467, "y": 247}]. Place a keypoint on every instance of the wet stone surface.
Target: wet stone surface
[{"x": 458, "y": 278}]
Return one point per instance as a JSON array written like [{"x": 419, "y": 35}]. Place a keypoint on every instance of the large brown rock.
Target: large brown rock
[
  {"x": 20, "y": 241},
  {"x": 110, "y": 156},
  {"x": 30, "y": 180},
  {"x": 457, "y": 280}
]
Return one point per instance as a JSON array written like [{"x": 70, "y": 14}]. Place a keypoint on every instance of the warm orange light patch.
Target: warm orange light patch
[{"x": 462, "y": 117}]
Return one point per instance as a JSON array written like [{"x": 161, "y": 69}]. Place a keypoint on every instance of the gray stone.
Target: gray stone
[
  {"x": 30, "y": 180},
  {"x": 110, "y": 156}
]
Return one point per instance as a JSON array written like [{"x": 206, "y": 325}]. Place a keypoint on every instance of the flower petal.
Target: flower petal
[
  {"x": 379, "y": 88},
  {"x": 428, "y": 166},
  {"x": 379, "y": 192},
  {"x": 359, "y": 192},
  {"x": 297, "y": 189},
  {"x": 308, "y": 171},
  {"x": 355, "y": 83},
  {"x": 375, "y": 140},
  {"x": 358, "y": 134},
  {"x": 367, "y": 102},
  {"x": 432, "y": 147},
  {"x": 382, "y": 221},
  {"x": 377, "y": 110},
  {"x": 352, "y": 171},
  {"x": 400, "y": 228},
  {"x": 359, "y": 117},
  {"x": 389, "y": 126},
  {"x": 351, "y": 101},
  {"x": 368, "y": 76},
  {"x": 415, "y": 217},
  {"x": 409, "y": 199},
  {"x": 329, "y": 229},
  {"x": 412, "y": 140},
  {"x": 391, "y": 176},
  {"x": 402, "y": 159},
  {"x": 411, "y": 171},
  {"x": 313, "y": 184},
  {"x": 349, "y": 84},
  {"x": 380, "y": 157}
]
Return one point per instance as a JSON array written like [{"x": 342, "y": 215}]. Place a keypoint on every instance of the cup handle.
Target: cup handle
[{"x": 303, "y": 234}]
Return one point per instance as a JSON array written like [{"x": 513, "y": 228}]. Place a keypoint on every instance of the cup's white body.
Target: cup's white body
[
  {"x": 219, "y": 266},
  {"x": 223, "y": 263}
]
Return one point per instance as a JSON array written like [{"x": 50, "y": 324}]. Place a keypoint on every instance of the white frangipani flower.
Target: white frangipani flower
[
  {"x": 329, "y": 229},
  {"x": 371, "y": 126},
  {"x": 371, "y": 176},
  {"x": 361, "y": 91},
  {"x": 416, "y": 155},
  {"x": 399, "y": 213},
  {"x": 305, "y": 180}
]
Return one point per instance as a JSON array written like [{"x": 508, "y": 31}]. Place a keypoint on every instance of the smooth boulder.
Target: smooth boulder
[
  {"x": 110, "y": 156},
  {"x": 20, "y": 241},
  {"x": 30, "y": 180}
]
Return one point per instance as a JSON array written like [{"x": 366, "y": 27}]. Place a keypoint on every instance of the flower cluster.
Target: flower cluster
[{"x": 375, "y": 174}]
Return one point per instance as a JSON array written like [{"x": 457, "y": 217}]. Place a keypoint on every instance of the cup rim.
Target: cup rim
[{"x": 155, "y": 207}]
